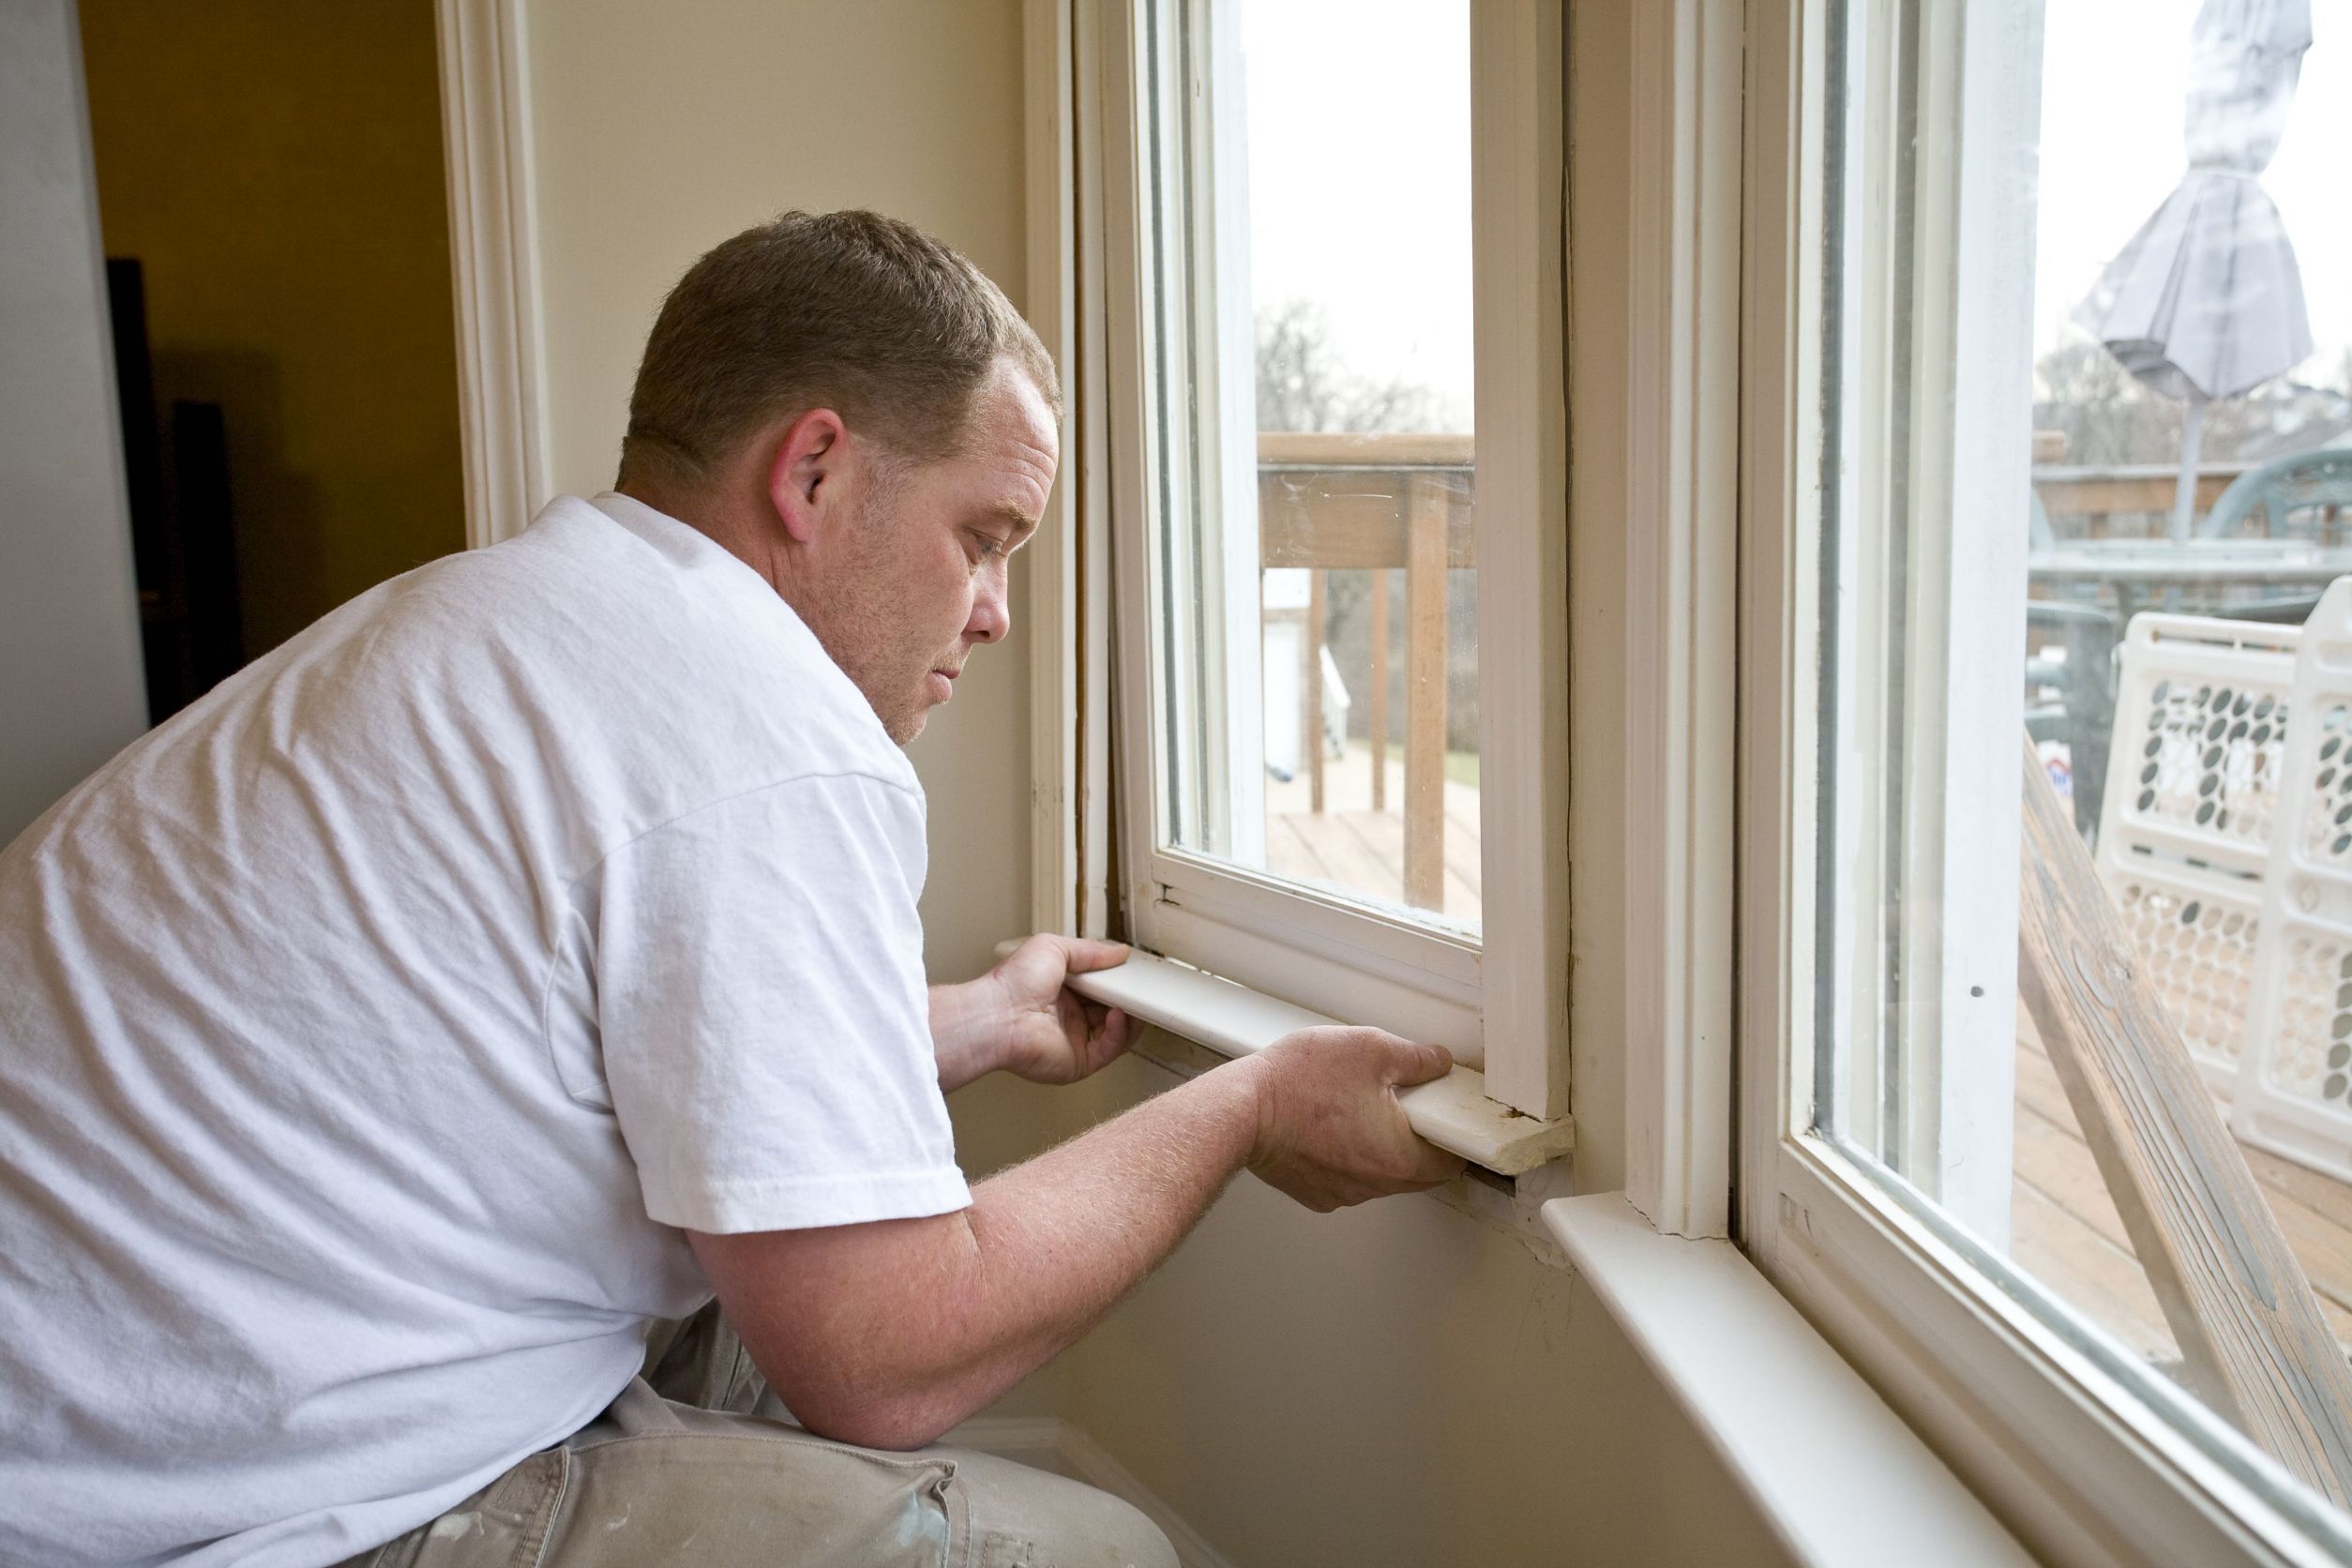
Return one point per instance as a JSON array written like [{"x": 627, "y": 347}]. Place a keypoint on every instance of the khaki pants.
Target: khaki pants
[{"x": 694, "y": 1465}]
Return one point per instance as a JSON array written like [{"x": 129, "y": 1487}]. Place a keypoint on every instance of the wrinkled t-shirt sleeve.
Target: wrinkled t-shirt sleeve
[{"x": 763, "y": 1015}]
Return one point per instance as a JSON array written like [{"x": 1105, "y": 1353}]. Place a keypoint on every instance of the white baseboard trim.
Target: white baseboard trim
[
  {"x": 1052, "y": 1443},
  {"x": 1094, "y": 1464}
]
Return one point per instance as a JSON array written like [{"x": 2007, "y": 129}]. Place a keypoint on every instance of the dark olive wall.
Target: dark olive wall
[{"x": 276, "y": 164}]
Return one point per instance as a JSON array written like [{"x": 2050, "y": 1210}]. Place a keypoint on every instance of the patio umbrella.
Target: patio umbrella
[{"x": 2206, "y": 302}]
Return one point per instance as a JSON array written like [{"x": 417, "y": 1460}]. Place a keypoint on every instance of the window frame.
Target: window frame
[
  {"x": 2084, "y": 1451},
  {"x": 1501, "y": 1004},
  {"x": 1692, "y": 589}
]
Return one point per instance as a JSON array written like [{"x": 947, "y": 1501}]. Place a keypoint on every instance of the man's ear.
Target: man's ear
[{"x": 805, "y": 472}]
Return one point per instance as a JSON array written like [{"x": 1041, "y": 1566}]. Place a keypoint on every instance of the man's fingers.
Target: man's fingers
[
  {"x": 1112, "y": 1037},
  {"x": 1435, "y": 1165},
  {"x": 1082, "y": 954},
  {"x": 1411, "y": 1062}
]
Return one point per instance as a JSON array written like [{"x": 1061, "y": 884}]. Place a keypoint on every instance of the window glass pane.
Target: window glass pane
[
  {"x": 2086, "y": 445},
  {"x": 1315, "y": 579}
]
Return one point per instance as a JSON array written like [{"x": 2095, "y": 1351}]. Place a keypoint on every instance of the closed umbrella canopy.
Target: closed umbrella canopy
[{"x": 2205, "y": 301}]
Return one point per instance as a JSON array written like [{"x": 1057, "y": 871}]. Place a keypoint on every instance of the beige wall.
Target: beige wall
[
  {"x": 659, "y": 130},
  {"x": 1396, "y": 1385},
  {"x": 277, "y": 166},
  {"x": 1399, "y": 1385}
]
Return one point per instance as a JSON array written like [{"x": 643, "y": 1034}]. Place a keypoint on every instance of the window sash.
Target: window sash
[
  {"x": 1933, "y": 394},
  {"x": 1323, "y": 953}
]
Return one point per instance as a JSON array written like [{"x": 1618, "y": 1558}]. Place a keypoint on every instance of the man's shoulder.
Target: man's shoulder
[
  {"x": 618, "y": 676},
  {"x": 651, "y": 638}
]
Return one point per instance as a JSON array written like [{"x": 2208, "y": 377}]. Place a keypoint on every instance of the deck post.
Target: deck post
[
  {"x": 1378, "y": 717},
  {"x": 1425, "y": 503},
  {"x": 1313, "y": 688}
]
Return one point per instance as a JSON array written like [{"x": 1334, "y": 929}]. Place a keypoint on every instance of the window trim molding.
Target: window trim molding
[
  {"x": 1682, "y": 541},
  {"x": 1518, "y": 206},
  {"x": 494, "y": 264},
  {"x": 1067, "y": 587},
  {"x": 2065, "y": 1444},
  {"x": 1051, "y": 556}
]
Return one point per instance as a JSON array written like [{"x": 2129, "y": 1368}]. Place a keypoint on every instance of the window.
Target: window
[
  {"x": 1337, "y": 439},
  {"x": 2045, "y": 493}
]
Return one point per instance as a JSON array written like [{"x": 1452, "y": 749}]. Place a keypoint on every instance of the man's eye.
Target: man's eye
[{"x": 990, "y": 545}]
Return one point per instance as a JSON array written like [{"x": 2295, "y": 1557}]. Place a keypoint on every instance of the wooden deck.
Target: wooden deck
[
  {"x": 2063, "y": 1226},
  {"x": 1352, "y": 846}
]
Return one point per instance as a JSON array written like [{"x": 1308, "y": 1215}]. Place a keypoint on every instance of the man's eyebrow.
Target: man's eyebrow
[{"x": 1014, "y": 515}]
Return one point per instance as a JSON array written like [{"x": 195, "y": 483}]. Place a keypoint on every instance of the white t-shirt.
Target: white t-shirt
[{"x": 367, "y": 1031}]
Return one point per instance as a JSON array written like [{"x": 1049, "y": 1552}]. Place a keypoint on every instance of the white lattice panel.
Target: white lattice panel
[
  {"x": 2292, "y": 1093},
  {"x": 2194, "y": 780}
]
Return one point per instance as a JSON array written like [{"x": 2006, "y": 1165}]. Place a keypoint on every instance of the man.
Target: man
[{"x": 528, "y": 951}]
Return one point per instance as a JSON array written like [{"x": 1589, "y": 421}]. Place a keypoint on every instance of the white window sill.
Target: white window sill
[
  {"x": 1836, "y": 1473},
  {"x": 1454, "y": 1112}
]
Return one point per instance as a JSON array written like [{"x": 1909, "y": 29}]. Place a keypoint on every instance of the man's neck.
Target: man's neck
[{"x": 723, "y": 524}]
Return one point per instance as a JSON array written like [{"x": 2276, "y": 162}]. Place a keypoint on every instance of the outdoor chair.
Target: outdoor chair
[
  {"x": 2291, "y": 611},
  {"x": 2315, "y": 487}
]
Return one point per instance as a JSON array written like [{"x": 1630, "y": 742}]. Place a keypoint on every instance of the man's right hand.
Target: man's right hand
[{"x": 1329, "y": 1132}]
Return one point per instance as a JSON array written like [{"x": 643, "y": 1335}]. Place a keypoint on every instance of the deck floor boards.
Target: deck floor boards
[
  {"x": 1360, "y": 849},
  {"x": 2055, "y": 1167}
]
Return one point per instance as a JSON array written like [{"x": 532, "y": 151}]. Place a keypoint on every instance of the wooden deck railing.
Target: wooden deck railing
[
  {"x": 2085, "y": 500},
  {"x": 1389, "y": 501},
  {"x": 1377, "y": 502}
]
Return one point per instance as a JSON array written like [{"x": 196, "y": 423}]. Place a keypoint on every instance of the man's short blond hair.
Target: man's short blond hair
[{"x": 853, "y": 311}]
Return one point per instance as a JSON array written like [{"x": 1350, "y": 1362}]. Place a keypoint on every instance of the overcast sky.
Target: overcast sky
[{"x": 1359, "y": 128}]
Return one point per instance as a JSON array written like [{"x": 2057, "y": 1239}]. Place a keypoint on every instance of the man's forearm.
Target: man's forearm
[
  {"x": 942, "y": 1315},
  {"x": 1057, "y": 1241},
  {"x": 890, "y": 1333}
]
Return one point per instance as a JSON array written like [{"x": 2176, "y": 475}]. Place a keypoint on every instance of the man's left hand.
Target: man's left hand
[{"x": 1021, "y": 1017}]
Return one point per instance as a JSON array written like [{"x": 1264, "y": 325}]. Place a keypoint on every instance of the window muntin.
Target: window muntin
[
  {"x": 1312, "y": 581},
  {"x": 1946, "y": 366}
]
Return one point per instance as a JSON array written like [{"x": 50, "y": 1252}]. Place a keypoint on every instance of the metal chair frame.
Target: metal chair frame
[{"x": 2297, "y": 483}]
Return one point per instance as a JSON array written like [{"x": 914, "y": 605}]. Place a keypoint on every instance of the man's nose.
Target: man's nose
[{"x": 991, "y": 612}]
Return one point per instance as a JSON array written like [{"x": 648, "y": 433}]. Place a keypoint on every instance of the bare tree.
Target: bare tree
[
  {"x": 2104, "y": 411},
  {"x": 1304, "y": 386},
  {"x": 2109, "y": 416}
]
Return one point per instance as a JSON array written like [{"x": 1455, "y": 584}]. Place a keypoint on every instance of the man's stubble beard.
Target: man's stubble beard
[{"x": 862, "y": 626}]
